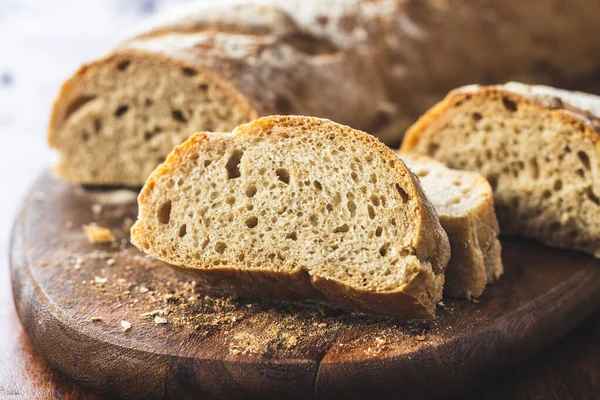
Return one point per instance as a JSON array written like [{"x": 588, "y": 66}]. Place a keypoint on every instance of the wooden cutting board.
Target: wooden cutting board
[{"x": 72, "y": 297}]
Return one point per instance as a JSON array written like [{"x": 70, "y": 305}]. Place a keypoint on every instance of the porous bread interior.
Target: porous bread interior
[
  {"x": 543, "y": 165},
  {"x": 306, "y": 197},
  {"x": 130, "y": 115},
  {"x": 452, "y": 192}
]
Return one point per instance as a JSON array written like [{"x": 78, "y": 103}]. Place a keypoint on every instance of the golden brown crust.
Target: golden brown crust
[{"x": 415, "y": 299}]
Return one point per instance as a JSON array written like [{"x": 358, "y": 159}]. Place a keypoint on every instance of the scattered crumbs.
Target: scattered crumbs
[
  {"x": 160, "y": 320},
  {"x": 441, "y": 304},
  {"x": 420, "y": 338},
  {"x": 125, "y": 325},
  {"x": 97, "y": 208},
  {"x": 149, "y": 314},
  {"x": 167, "y": 296},
  {"x": 143, "y": 289},
  {"x": 322, "y": 325},
  {"x": 98, "y": 234},
  {"x": 110, "y": 261},
  {"x": 100, "y": 281},
  {"x": 96, "y": 319}
]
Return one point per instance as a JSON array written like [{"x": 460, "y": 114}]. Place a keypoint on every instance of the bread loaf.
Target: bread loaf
[
  {"x": 464, "y": 203},
  {"x": 373, "y": 65},
  {"x": 297, "y": 208},
  {"x": 538, "y": 147}
]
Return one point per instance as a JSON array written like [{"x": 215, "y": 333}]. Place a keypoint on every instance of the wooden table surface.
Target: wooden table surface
[{"x": 60, "y": 34}]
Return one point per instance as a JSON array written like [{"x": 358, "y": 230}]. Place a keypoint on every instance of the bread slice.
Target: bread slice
[
  {"x": 465, "y": 206},
  {"x": 537, "y": 146},
  {"x": 297, "y": 208}
]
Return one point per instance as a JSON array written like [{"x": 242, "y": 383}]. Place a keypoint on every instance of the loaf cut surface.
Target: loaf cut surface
[
  {"x": 539, "y": 149},
  {"x": 465, "y": 206},
  {"x": 297, "y": 208},
  {"x": 373, "y": 65}
]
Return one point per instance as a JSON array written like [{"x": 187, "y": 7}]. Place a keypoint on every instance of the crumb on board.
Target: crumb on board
[
  {"x": 96, "y": 319},
  {"x": 97, "y": 234},
  {"x": 160, "y": 320},
  {"x": 97, "y": 208},
  {"x": 125, "y": 325}
]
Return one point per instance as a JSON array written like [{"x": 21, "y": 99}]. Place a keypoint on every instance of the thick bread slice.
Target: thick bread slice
[
  {"x": 465, "y": 206},
  {"x": 538, "y": 147},
  {"x": 373, "y": 65},
  {"x": 297, "y": 208}
]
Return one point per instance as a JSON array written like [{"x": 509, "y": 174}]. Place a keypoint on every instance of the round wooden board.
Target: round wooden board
[{"x": 225, "y": 348}]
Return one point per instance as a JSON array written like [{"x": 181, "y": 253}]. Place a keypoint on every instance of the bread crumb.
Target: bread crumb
[
  {"x": 420, "y": 338},
  {"x": 96, "y": 319},
  {"x": 97, "y": 208},
  {"x": 100, "y": 281},
  {"x": 97, "y": 234},
  {"x": 125, "y": 325},
  {"x": 160, "y": 320},
  {"x": 110, "y": 261},
  {"x": 149, "y": 314}
]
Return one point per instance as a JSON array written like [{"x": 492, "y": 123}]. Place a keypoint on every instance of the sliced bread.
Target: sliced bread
[
  {"x": 537, "y": 146},
  {"x": 297, "y": 208},
  {"x": 465, "y": 206}
]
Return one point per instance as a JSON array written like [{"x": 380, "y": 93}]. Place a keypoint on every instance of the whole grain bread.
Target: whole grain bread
[
  {"x": 464, "y": 203},
  {"x": 297, "y": 208},
  {"x": 374, "y": 65},
  {"x": 539, "y": 147}
]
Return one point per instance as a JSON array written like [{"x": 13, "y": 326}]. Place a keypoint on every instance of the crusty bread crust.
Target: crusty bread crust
[
  {"x": 562, "y": 157},
  {"x": 473, "y": 231},
  {"x": 415, "y": 299}
]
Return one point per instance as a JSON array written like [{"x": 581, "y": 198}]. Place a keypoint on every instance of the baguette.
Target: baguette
[
  {"x": 297, "y": 208},
  {"x": 373, "y": 65},
  {"x": 539, "y": 148},
  {"x": 465, "y": 206}
]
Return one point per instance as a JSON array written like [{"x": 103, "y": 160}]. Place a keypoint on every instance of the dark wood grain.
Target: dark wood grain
[{"x": 250, "y": 349}]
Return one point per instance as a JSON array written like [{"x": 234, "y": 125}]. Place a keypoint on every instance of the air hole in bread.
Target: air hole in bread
[
  {"x": 384, "y": 249},
  {"x": 220, "y": 247},
  {"x": 178, "y": 116},
  {"x": 233, "y": 164},
  {"x": 378, "y": 231},
  {"x": 329, "y": 207},
  {"x": 97, "y": 125},
  {"x": 403, "y": 195},
  {"x": 432, "y": 148},
  {"x": 546, "y": 194},
  {"x": 241, "y": 256},
  {"x": 534, "y": 168},
  {"x": 314, "y": 219},
  {"x": 182, "y": 230},
  {"x": 230, "y": 200},
  {"x": 318, "y": 185},
  {"x": 187, "y": 71},
  {"x": 352, "y": 207},
  {"x": 251, "y": 222},
  {"x": 592, "y": 196},
  {"x": 122, "y": 109},
  {"x": 585, "y": 160},
  {"x": 371, "y": 212},
  {"x": 203, "y": 87},
  {"x": 77, "y": 104},
  {"x": 558, "y": 185},
  {"x": 122, "y": 66},
  {"x": 85, "y": 136},
  {"x": 283, "y": 175},
  {"x": 163, "y": 214},
  {"x": 477, "y": 116},
  {"x": 509, "y": 104},
  {"x": 341, "y": 229},
  {"x": 354, "y": 177},
  {"x": 375, "y": 200},
  {"x": 292, "y": 235}
]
